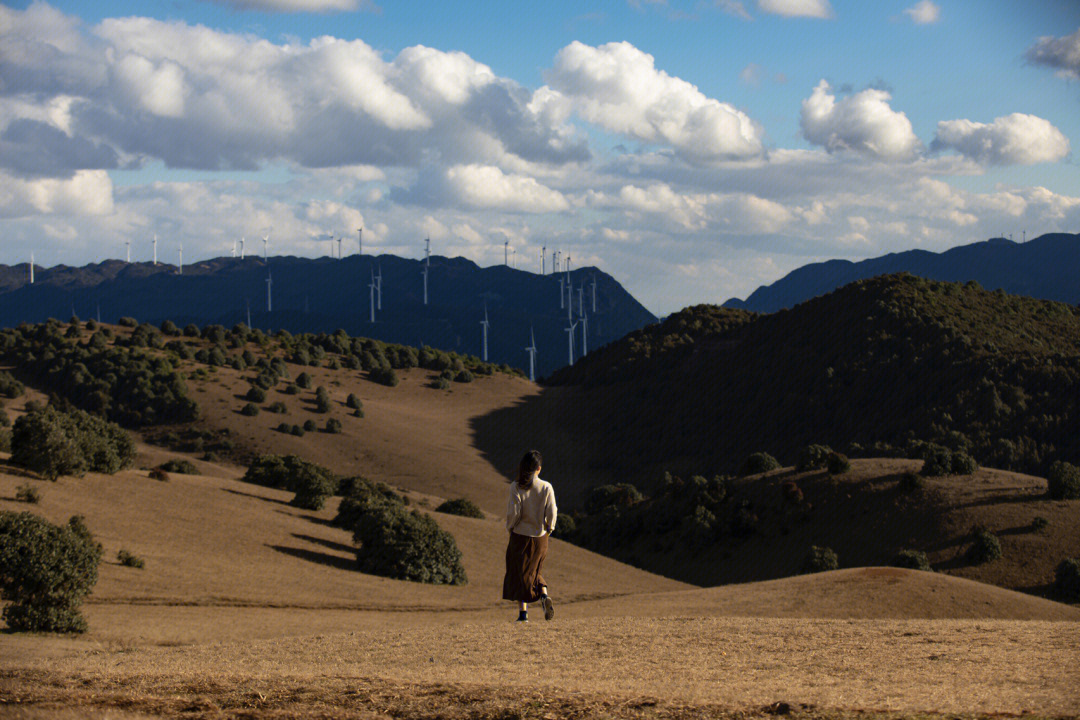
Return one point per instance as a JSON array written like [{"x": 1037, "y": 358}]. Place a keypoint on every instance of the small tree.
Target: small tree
[
  {"x": 985, "y": 547},
  {"x": 837, "y": 463},
  {"x": 396, "y": 543},
  {"x": 1063, "y": 481},
  {"x": 1067, "y": 580},
  {"x": 820, "y": 559},
  {"x": 45, "y": 572},
  {"x": 333, "y": 426},
  {"x": 304, "y": 380},
  {"x": 461, "y": 506},
  {"x": 250, "y": 410},
  {"x": 912, "y": 559},
  {"x": 759, "y": 462},
  {"x": 937, "y": 461},
  {"x": 311, "y": 486},
  {"x": 46, "y": 442},
  {"x": 812, "y": 457}
]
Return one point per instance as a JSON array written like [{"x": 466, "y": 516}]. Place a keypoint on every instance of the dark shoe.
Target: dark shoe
[
  {"x": 523, "y": 617},
  {"x": 549, "y": 608}
]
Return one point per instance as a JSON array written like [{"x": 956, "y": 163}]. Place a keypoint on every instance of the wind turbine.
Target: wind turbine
[
  {"x": 484, "y": 326},
  {"x": 360, "y": 239},
  {"x": 562, "y": 293},
  {"x": 339, "y": 247},
  {"x": 234, "y": 247},
  {"x": 331, "y": 239},
  {"x": 506, "y": 253},
  {"x": 371, "y": 287},
  {"x": 594, "y": 293},
  {"x": 581, "y": 299},
  {"x": 427, "y": 265},
  {"x": 532, "y": 355},
  {"x": 155, "y": 248},
  {"x": 31, "y": 268},
  {"x": 266, "y": 247},
  {"x": 584, "y": 334},
  {"x": 568, "y": 264},
  {"x": 543, "y": 258},
  {"x": 554, "y": 258},
  {"x": 269, "y": 285},
  {"x": 180, "y": 267},
  {"x": 378, "y": 287},
  {"x": 570, "y": 337},
  {"x": 241, "y": 248},
  {"x": 128, "y": 243}
]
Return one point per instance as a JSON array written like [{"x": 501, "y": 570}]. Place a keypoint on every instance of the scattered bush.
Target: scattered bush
[
  {"x": 250, "y": 410},
  {"x": 985, "y": 547},
  {"x": 837, "y": 463},
  {"x": 27, "y": 493},
  {"x": 913, "y": 559},
  {"x": 159, "y": 475},
  {"x": 256, "y": 395},
  {"x": 1063, "y": 481},
  {"x": 441, "y": 383},
  {"x": 45, "y": 572},
  {"x": 621, "y": 495},
  {"x": 322, "y": 404},
  {"x": 1067, "y": 580},
  {"x": 53, "y": 443},
  {"x": 278, "y": 407},
  {"x": 129, "y": 560},
  {"x": 963, "y": 464},
  {"x": 333, "y": 426},
  {"x": 312, "y": 485},
  {"x": 937, "y": 461},
  {"x": 284, "y": 427},
  {"x": 169, "y": 328},
  {"x": 759, "y": 462},
  {"x": 304, "y": 380},
  {"x": 291, "y": 390},
  {"x": 820, "y": 559},
  {"x": 384, "y": 376},
  {"x": 460, "y": 506},
  {"x": 182, "y": 467},
  {"x": 361, "y": 495},
  {"x": 127, "y": 322},
  {"x": 394, "y": 542},
  {"x": 464, "y": 377},
  {"x": 310, "y": 426},
  {"x": 358, "y": 412},
  {"x": 910, "y": 482},
  {"x": 297, "y": 431},
  {"x": 5, "y": 439},
  {"x": 281, "y": 471},
  {"x": 352, "y": 402},
  {"x": 9, "y": 386},
  {"x": 812, "y": 457},
  {"x": 1039, "y": 523}
]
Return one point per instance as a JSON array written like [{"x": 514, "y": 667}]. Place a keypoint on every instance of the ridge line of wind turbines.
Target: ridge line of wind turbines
[{"x": 566, "y": 289}]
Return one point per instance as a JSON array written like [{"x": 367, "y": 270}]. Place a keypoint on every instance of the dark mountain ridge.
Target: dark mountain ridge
[
  {"x": 1046, "y": 267},
  {"x": 324, "y": 294}
]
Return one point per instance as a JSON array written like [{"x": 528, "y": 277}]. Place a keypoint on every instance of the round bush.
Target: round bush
[
  {"x": 985, "y": 547},
  {"x": 312, "y": 487},
  {"x": 1067, "y": 580},
  {"x": 333, "y": 426},
  {"x": 297, "y": 431},
  {"x": 837, "y": 463},
  {"x": 45, "y": 572},
  {"x": 28, "y": 494},
  {"x": 183, "y": 467},
  {"x": 352, "y": 402},
  {"x": 291, "y": 390},
  {"x": 1039, "y": 523},
  {"x": 910, "y": 482},
  {"x": 913, "y": 559},
  {"x": 128, "y": 559},
  {"x": 820, "y": 559},
  {"x": 277, "y": 408},
  {"x": 250, "y": 410},
  {"x": 304, "y": 380},
  {"x": 937, "y": 461},
  {"x": 256, "y": 395},
  {"x": 284, "y": 427},
  {"x": 310, "y": 426},
  {"x": 565, "y": 527},
  {"x": 812, "y": 457},
  {"x": 461, "y": 506},
  {"x": 1063, "y": 481},
  {"x": 963, "y": 464},
  {"x": 384, "y": 376},
  {"x": 441, "y": 383},
  {"x": 759, "y": 462},
  {"x": 127, "y": 322},
  {"x": 159, "y": 475},
  {"x": 464, "y": 377},
  {"x": 396, "y": 543},
  {"x": 322, "y": 404}
]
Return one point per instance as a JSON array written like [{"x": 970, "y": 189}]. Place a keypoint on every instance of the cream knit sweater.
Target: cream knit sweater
[{"x": 531, "y": 511}]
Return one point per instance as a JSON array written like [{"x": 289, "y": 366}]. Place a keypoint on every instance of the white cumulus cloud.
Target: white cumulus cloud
[
  {"x": 1060, "y": 53},
  {"x": 923, "y": 12},
  {"x": 1015, "y": 139},
  {"x": 618, "y": 87},
  {"x": 488, "y": 187},
  {"x": 318, "y": 6},
  {"x": 863, "y": 122},
  {"x": 797, "y": 8}
]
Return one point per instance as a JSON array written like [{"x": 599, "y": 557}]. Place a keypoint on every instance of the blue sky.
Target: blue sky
[{"x": 693, "y": 149}]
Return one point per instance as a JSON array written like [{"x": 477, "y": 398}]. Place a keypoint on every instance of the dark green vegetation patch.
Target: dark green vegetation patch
[
  {"x": 52, "y": 443},
  {"x": 460, "y": 506}
]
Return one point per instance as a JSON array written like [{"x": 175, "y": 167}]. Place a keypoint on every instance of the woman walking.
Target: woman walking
[{"x": 530, "y": 518}]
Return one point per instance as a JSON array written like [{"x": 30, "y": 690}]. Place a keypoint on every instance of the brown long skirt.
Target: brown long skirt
[{"x": 524, "y": 561}]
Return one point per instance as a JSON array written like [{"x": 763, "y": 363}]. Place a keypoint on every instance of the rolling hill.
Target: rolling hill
[
  {"x": 324, "y": 294},
  {"x": 1046, "y": 267}
]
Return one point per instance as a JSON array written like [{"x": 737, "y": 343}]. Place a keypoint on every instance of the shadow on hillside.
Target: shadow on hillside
[
  {"x": 1003, "y": 499},
  {"x": 317, "y": 557},
  {"x": 253, "y": 495},
  {"x": 329, "y": 544},
  {"x": 311, "y": 518}
]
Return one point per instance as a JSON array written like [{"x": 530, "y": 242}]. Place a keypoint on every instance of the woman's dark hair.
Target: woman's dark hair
[{"x": 528, "y": 465}]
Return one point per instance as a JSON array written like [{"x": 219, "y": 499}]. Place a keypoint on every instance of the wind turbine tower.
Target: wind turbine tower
[
  {"x": 266, "y": 247},
  {"x": 506, "y": 253},
  {"x": 532, "y": 355},
  {"x": 427, "y": 265},
  {"x": 371, "y": 287},
  {"x": 241, "y": 248},
  {"x": 339, "y": 247},
  {"x": 155, "y": 248},
  {"x": 234, "y": 247},
  {"x": 180, "y": 267},
  {"x": 360, "y": 239},
  {"x": 584, "y": 334},
  {"x": 594, "y": 293},
  {"x": 378, "y": 288},
  {"x": 269, "y": 286},
  {"x": 570, "y": 337},
  {"x": 543, "y": 259},
  {"x": 128, "y": 244},
  {"x": 31, "y": 268},
  {"x": 562, "y": 293},
  {"x": 248, "y": 304},
  {"x": 484, "y": 327}
]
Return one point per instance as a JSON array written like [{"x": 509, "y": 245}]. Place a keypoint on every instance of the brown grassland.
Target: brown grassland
[{"x": 249, "y": 607}]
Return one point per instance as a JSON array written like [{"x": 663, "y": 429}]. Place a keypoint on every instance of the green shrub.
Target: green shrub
[
  {"x": 9, "y": 386},
  {"x": 1063, "y": 481},
  {"x": 353, "y": 402},
  {"x": 182, "y": 467},
  {"x": 460, "y": 506},
  {"x": 291, "y": 390},
  {"x": 1039, "y": 523},
  {"x": 129, "y": 560},
  {"x": 910, "y": 482},
  {"x": 53, "y": 443},
  {"x": 358, "y": 412},
  {"x": 312, "y": 485},
  {"x": 27, "y": 493},
  {"x": 384, "y": 376},
  {"x": 169, "y": 328},
  {"x": 984, "y": 548},
  {"x": 913, "y": 559},
  {"x": 297, "y": 431},
  {"x": 565, "y": 527},
  {"x": 159, "y": 475},
  {"x": 284, "y": 427},
  {"x": 322, "y": 404},
  {"x": 963, "y": 464},
  {"x": 310, "y": 426},
  {"x": 837, "y": 463},
  {"x": 812, "y": 457},
  {"x": 759, "y": 462},
  {"x": 333, "y": 426},
  {"x": 441, "y": 383},
  {"x": 280, "y": 471},
  {"x": 820, "y": 559},
  {"x": 277, "y": 408},
  {"x": 45, "y": 572},
  {"x": 1067, "y": 580},
  {"x": 5, "y": 439},
  {"x": 393, "y": 542},
  {"x": 304, "y": 380},
  {"x": 464, "y": 377},
  {"x": 256, "y": 395},
  {"x": 937, "y": 461},
  {"x": 250, "y": 410},
  {"x": 361, "y": 495},
  {"x": 127, "y": 322},
  {"x": 621, "y": 495}
]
